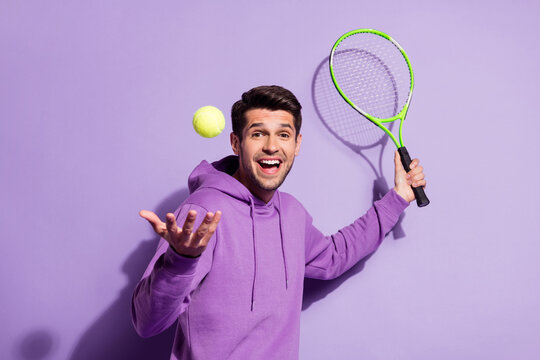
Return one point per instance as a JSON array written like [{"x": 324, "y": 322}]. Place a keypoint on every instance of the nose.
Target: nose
[{"x": 270, "y": 145}]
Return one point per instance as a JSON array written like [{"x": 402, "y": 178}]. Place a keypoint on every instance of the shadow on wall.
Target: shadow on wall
[
  {"x": 39, "y": 344},
  {"x": 315, "y": 290},
  {"x": 112, "y": 335},
  {"x": 354, "y": 130},
  {"x": 362, "y": 137}
]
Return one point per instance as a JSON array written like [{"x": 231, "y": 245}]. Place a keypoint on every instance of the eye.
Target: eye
[
  {"x": 285, "y": 135},
  {"x": 257, "y": 134}
]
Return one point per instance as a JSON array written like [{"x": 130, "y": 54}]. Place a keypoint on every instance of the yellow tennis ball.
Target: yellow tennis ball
[{"x": 208, "y": 121}]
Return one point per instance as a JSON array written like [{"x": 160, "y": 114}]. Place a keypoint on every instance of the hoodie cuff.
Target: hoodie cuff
[
  {"x": 393, "y": 204},
  {"x": 178, "y": 264}
]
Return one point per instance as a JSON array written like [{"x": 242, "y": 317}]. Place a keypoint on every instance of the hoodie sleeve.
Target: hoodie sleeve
[
  {"x": 327, "y": 257},
  {"x": 164, "y": 291}
]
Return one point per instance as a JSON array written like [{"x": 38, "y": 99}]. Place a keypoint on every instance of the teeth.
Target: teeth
[{"x": 270, "y": 162}]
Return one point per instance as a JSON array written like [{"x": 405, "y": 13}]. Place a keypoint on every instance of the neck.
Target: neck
[{"x": 264, "y": 195}]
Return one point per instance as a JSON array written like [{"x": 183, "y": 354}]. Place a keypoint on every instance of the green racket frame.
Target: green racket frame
[
  {"x": 421, "y": 197},
  {"x": 377, "y": 121}
]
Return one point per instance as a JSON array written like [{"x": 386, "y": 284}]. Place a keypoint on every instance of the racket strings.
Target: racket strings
[
  {"x": 373, "y": 73},
  {"x": 342, "y": 120}
]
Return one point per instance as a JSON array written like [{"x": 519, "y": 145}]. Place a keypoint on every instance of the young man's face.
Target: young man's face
[{"x": 267, "y": 150}]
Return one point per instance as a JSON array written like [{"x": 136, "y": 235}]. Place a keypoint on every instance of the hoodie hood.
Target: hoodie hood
[{"x": 219, "y": 176}]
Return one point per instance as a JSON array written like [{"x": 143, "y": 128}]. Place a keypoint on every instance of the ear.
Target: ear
[
  {"x": 298, "y": 142},
  {"x": 235, "y": 143}
]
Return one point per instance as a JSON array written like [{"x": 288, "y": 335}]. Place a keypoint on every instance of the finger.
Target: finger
[
  {"x": 417, "y": 177},
  {"x": 211, "y": 229},
  {"x": 414, "y": 164},
  {"x": 203, "y": 229},
  {"x": 187, "y": 228},
  {"x": 172, "y": 228},
  {"x": 418, "y": 183},
  {"x": 417, "y": 170},
  {"x": 153, "y": 219}
]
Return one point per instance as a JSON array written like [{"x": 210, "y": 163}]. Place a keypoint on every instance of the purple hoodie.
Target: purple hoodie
[{"x": 241, "y": 299}]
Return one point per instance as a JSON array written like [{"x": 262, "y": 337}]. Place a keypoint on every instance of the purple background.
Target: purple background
[{"x": 96, "y": 100}]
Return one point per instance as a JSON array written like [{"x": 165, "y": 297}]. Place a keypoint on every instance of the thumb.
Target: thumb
[
  {"x": 152, "y": 218},
  {"x": 397, "y": 162}
]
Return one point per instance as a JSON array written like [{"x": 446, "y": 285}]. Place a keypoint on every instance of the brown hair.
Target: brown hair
[{"x": 265, "y": 97}]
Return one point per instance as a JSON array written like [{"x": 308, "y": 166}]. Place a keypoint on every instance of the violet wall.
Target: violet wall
[{"x": 96, "y": 100}]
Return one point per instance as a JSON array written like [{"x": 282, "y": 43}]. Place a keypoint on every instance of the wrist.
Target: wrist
[
  {"x": 178, "y": 264},
  {"x": 403, "y": 193},
  {"x": 183, "y": 255}
]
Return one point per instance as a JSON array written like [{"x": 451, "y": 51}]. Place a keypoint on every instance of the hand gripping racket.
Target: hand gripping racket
[{"x": 370, "y": 70}]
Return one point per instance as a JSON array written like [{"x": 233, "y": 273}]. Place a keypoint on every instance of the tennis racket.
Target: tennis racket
[{"x": 373, "y": 74}]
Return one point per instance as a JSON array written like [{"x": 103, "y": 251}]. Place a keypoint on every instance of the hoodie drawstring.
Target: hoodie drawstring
[
  {"x": 282, "y": 242},
  {"x": 252, "y": 211}
]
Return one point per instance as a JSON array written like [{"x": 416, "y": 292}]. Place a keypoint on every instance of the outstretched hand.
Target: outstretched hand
[
  {"x": 403, "y": 180},
  {"x": 183, "y": 240}
]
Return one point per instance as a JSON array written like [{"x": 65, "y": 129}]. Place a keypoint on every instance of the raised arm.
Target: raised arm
[{"x": 328, "y": 257}]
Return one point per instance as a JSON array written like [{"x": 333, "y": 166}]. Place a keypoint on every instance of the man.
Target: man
[{"x": 236, "y": 288}]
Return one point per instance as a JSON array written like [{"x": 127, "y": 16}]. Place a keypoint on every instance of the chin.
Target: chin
[
  {"x": 274, "y": 183},
  {"x": 268, "y": 185}
]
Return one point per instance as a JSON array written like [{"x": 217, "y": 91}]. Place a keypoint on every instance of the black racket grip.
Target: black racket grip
[{"x": 419, "y": 194}]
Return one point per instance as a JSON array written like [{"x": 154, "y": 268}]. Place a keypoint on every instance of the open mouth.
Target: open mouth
[{"x": 269, "y": 165}]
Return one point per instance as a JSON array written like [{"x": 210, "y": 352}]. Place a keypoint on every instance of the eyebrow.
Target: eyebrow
[{"x": 283, "y": 125}]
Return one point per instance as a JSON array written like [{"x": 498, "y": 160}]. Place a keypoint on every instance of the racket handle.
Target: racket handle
[{"x": 419, "y": 194}]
